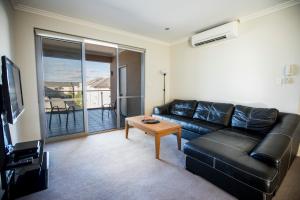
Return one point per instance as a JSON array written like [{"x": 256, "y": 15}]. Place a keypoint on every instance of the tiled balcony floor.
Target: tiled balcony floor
[{"x": 98, "y": 120}]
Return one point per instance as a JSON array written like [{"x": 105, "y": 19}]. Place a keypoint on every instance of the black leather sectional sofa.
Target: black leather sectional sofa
[{"x": 245, "y": 151}]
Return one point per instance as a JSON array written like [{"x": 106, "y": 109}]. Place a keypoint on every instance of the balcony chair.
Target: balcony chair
[
  {"x": 109, "y": 107},
  {"x": 59, "y": 106}
]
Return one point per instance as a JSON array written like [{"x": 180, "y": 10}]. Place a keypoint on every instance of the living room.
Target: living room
[{"x": 256, "y": 67}]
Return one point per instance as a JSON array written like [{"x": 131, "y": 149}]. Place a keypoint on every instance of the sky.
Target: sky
[{"x": 69, "y": 70}]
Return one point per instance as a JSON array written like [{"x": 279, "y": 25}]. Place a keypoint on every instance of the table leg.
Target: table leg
[
  {"x": 157, "y": 146},
  {"x": 126, "y": 129},
  {"x": 179, "y": 139}
]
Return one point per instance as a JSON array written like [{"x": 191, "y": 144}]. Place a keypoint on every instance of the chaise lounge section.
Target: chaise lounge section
[{"x": 245, "y": 151}]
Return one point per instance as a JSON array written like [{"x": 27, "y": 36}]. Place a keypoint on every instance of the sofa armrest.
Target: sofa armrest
[
  {"x": 272, "y": 149},
  {"x": 161, "y": 110}
]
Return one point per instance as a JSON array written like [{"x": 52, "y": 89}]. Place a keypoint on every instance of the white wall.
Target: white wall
[
  {"x": 157, "y": 58},
  {"x": 243, "y": 70},
  {"x": 7, "y": 44},
  {"x": 6, "y": 19}
]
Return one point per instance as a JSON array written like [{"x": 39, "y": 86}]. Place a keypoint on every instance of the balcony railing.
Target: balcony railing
[{"x": 96, "y": 98}]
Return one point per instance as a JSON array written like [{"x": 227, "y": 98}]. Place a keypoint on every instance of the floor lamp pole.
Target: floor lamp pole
[{"x": 164, "y": 74}]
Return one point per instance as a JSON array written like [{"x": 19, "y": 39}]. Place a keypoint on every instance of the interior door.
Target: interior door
[{"x": 131, "y": 84}]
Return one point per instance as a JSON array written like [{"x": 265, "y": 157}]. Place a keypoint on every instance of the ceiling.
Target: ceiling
[{"x": 150, "y": 18}]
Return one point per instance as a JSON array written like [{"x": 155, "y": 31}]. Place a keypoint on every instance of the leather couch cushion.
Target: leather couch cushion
[
  {"x": 203, "y": 127},
  {"x": 189, "y": 135},
  {"x": 256, "y": 119},
  {"x": 227, "y": 151},
  {"x": 184, "y": 108},
  {"x": 197, "y": 126},
  {"x": 162, "y": 110},
  {"x": 272, "y": 149},
  {"x": 219, "y": 113}
]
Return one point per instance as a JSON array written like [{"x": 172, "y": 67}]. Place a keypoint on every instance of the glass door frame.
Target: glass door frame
[
  {"x": 41, "y": 93},
  {"x": 39, "y": 34},
  {"x": 84, "y": 95}
]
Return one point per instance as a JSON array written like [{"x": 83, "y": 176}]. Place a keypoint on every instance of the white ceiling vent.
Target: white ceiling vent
[{"x": 226, "y": 31}]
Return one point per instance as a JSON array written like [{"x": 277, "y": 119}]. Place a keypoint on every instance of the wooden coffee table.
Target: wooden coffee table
[{"x": 157, "y": 130}]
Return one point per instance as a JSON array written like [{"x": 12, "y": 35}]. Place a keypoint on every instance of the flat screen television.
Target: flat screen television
[{"x": 13, "y": 104}]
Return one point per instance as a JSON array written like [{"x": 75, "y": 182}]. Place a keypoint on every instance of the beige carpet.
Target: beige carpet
[{"x": 107, "y": 166}]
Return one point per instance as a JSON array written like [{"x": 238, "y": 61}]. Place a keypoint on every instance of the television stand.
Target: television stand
[
  {"x": 26, "y": 174},
  {"x": 32, "y": 179}
]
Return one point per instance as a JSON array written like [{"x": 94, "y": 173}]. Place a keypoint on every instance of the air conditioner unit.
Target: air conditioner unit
[{"x": 226, "y": 31}]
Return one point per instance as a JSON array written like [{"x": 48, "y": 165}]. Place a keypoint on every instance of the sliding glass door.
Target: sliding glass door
[
  {"x": 63, "y": 84},
  {"x": 86, "y": 86},
  {"x": 101, "y": 106},
  {"x": 131, "y": 84}
]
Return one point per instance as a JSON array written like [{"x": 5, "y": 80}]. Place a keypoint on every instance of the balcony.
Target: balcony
[{"x": 101, "y": 112}]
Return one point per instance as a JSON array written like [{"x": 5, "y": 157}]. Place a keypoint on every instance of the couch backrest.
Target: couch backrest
[
  {"x": 183, "y": 108},
  {"x": 219, "y": 113},
  {"x": 255, "y": 119}
]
